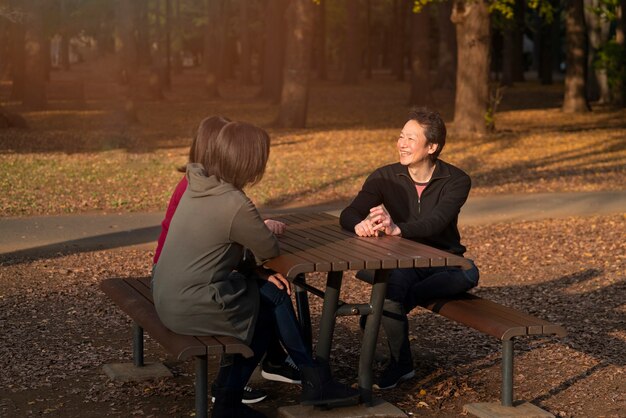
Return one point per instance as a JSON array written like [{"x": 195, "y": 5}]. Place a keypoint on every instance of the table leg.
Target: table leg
[
  {"x": 370, "y": 336},
  {"x": 329, "y": 309},
  {"x": 304, "y": 315}
]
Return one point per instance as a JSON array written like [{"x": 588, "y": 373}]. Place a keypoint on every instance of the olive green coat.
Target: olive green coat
[{"x": 195, "y": 290}]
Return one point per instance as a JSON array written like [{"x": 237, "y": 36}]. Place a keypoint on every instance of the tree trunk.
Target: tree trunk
[
  {"x": 127, "y": 55},
  {"x": 446, "y": 47},
  {"x": 143, "y": 34},
  {"x": 545, "y": 53},
  {"x": 246, "y": 51},
  {"x": 295, "y": 95},
  {"x": 35, "y": 58},
  {"x": 598, "y": 34},
  {"x": 575, "y": 98},
  {"x": 320, "y": 33},
  {"x": 508, "y": 50},
  {"x": 156, "y": 79},
  {"x": 368, "y": 39},
  {"x": 226, "y": 43},
  {"x": 177, "y": 44},
  {"x": 352, "y": 50},
  {"x": 18, "y": 60},
  {"x": 65, "y": 38},
  {"x": 398, "y": 38},
  {"x": 274, "y": 49},
  {"x": 471, "y": 105},
  {"x": 518, "y": 63},
  {"x": 167, "y": 50},
  {"x": 421, "y": 94},
  {"x": 211, "y": 50}
]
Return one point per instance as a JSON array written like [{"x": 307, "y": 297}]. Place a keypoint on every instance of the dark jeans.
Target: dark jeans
[
  {"x": 285, "y": 323},
  {"x": 276, "y": 316},
  {"x": 408, "y": 288},
  {"x": 413, "y": 287}
]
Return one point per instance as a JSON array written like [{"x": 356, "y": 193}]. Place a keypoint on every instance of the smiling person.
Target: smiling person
[{"x": 418, "y": 198}]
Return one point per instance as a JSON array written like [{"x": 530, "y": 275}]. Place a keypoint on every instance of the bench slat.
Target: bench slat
[
  {"x": 142, "y": 311},
  {"x": 475, "y": 318},
  {"x": 486, "y": 316}
]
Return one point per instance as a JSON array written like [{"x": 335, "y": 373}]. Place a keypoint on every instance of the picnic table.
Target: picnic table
[{"x": 314, "y": 242}]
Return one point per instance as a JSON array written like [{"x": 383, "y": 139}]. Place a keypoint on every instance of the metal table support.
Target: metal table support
[
  {"x": 370, "y": 336},
  {"x": 202, "y": 389},
  {"x": 329, "y": 310},
  {"x": 137, "y": 345},
  {"x": 507, "y": 373}
]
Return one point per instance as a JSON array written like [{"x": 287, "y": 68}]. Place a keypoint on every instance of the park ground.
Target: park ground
[{"x": 58, "y": 329}]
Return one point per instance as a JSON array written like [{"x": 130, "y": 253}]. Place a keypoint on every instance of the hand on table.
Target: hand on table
[
  {"x": 276, "y": 227},
  {"x": 376, "y": 222}
]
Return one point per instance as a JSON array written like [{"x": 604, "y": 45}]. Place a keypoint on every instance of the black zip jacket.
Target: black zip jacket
[{"x": 431, "y": 219}]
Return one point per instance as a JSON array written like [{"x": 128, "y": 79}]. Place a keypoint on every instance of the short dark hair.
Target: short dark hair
[
  {"x": 239, "y": 154},
  {"x": 433, "y": 125},
  {"x": 208, "y": 130}
]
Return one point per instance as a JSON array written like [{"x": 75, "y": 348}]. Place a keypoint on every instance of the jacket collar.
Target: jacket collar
[{"x": 441, "y": 170}]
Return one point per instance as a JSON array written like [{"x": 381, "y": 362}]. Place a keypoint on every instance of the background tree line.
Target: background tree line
[{"x": 461, "y": 49}]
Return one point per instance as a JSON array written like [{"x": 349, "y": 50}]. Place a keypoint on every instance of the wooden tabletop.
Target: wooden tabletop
[{"x": 316, "y": 242}]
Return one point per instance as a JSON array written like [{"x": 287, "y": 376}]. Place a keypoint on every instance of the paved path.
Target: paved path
[{"x": 48, "y": 235}]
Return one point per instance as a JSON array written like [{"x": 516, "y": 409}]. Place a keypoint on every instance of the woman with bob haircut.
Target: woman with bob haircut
[
  {"x": 210, "y": 278},
  {"x": 277, "y": 365}
]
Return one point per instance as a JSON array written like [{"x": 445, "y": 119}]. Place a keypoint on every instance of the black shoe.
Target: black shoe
[
  {"x": 394, "y": 374},
  {"x": 286, "y": 372},
  {"x": 250, "y": 395},
  {"x": 228, "y": 404},
  {"x": 319, "y": 389}
]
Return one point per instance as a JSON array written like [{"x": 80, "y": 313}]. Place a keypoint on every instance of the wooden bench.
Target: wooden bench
[
  {"x": 493, "y": 319},
  {"x": 134, "y": 297}
]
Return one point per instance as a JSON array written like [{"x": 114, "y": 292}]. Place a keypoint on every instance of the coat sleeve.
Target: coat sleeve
[
  {"x": 445, "y": 211},
  {"x": 249, "y": 230},
  {"x": 369, "y": 196}
]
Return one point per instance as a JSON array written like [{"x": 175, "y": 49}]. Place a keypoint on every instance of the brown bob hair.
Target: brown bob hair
[
  {"x": 238, "y": 155},
  {"x": 207, "y": 132}
]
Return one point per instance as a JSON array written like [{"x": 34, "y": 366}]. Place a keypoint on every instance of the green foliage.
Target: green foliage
[
  {"x": 504, "y": 8},
  {"x": 607, "y": 9},
  {"x": 612, "y": 58}
]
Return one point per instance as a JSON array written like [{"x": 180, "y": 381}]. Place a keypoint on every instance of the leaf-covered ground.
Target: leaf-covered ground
[
  {"x": 84, "y": 157},
  {"x": 58, "y": 330}
]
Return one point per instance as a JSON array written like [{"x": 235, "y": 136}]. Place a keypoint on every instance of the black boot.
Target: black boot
[
  {"x": 228, "y": 405},
  {"x": 319, "y": 388}
]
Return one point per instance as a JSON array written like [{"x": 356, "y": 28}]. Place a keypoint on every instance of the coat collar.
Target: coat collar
[{"x": 441, "y": 170}]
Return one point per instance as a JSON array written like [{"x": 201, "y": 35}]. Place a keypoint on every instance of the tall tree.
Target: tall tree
[
  {"x": 35, "y": 57},
  {"x": 598, "y": 34},
  {"x": 398, "y": 35},
  {"x": 352, "y": 49},
  {"x": 548, "y": 39},
  {"x": 575, "y": 97},
  {"x": 471, "y": 103},
  {"x": 127, "y": 55},
  {"x": 320, "y": 36},
  {"x": 421, "y": 94},
  {"x": 512, "y": 53},
  {"x": 446, "y": 47},
  {"x": 274, "y": 49},
  {"x": 211, "y": 54},
  {"x": 167, "y": 47},
  {"x": 295, "y": 94},
  {"x": 368, "y": 39},
  {"x": 244, "y": 38},
  {"x": 18, "y": 57}
]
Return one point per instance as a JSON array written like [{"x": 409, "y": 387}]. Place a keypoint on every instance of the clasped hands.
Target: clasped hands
[{"x": 378, "y": 221}]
